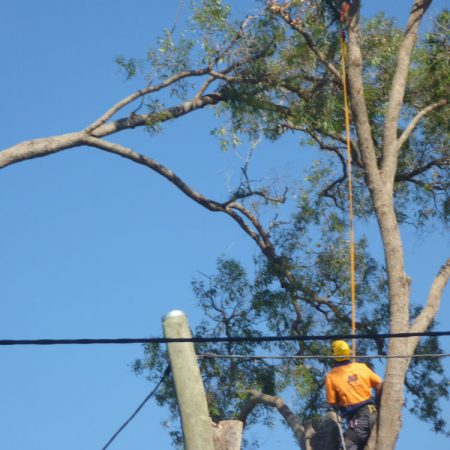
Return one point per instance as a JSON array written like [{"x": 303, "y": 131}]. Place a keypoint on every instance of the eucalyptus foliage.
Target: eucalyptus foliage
[{"x": 276, "y": 84}]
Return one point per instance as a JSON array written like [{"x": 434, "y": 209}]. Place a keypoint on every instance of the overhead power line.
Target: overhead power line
[
  {"x": 255, "y": 357},
  {"x": 146, "y": 399},
  {"x": 231, "y": 339}
]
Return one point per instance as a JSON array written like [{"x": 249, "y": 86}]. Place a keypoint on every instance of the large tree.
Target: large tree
[{"x": 277, "y": 72}]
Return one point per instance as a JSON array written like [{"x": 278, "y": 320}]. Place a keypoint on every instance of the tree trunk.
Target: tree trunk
[{"x": 227, "y": 435}]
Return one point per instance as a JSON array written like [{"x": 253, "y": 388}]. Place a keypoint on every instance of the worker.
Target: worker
[{"x": 349, "y": 388}]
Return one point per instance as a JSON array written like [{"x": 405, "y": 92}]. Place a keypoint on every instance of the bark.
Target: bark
[
  {"x": 275, "y": 402},
  {"x": 380, "y": 184},
  {"x": 390, "y": 145},
  {"x": 320, "y": 433},
  {"x": 227, "y": 435},
  {"x": 46, "y": 146},
  {"x": 428, "y": 313}
]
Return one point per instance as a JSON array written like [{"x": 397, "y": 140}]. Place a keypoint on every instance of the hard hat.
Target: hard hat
[{"x": 340, "y": 349}]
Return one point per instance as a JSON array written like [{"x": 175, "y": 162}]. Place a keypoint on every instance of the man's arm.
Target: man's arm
[{"x": 330, "y": 391}]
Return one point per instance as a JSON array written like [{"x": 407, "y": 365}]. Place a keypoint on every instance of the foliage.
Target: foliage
[{"x": 276, "y": 83}]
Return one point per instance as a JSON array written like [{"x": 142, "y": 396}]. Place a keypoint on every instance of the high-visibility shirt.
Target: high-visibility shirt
[{"x": 350, "y": 384}]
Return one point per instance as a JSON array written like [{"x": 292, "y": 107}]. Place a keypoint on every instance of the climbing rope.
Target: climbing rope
[{"x": 344, "y": 11}]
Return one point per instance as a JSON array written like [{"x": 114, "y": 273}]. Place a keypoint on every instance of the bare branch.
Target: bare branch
[
  {"x": 259, "y": 236},
  {"x": 416, "y": 119},
  {"x": 316, "y": 135},
  {"x": 40, "y": 147},
  {"x": 241, "y": 194},
  {"x": 150, "y": 89},
  {"x": 424, "y": 319},
  {"x": 274, "y": 402},
  {"x": 264, "y": 242},
  {"x": 440, "y": 162},
  {"x": 139, "y": 158},
  {"x": 46, "y": 146},
  {"x": 396, "y": 96},
  {"x": 359, "y": 108}
]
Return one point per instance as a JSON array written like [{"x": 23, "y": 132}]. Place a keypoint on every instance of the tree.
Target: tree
[{"x": 250, "y": 71}]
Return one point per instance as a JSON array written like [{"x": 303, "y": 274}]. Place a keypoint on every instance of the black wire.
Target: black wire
[
  {"x": 166, "y": 372},
  {"x": 199, "y": 339}
]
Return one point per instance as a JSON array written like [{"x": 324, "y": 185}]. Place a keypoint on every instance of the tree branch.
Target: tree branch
[
  {"x": 259, "y": 236},
  {"x": 440, "y": 162},
  {"x": 46, "y": 146},
  {"x": 40, "y": 147},
  {"x": 140, "y": 93},
  {"x": 295, "y": 24},
  {"x": 424, "y": 319},
  {"x": 415, "y": 121},
  {"x": 390, "y": 142},
  {"x": 274, "y": 402},
  {"x": 359, "y": 107}
]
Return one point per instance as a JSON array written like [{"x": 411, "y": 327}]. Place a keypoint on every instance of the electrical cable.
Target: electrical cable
[
  {"x": 149, "y": 396},
  {"x": 251, "y": 357},
  {"x": 231, "y": 339}
]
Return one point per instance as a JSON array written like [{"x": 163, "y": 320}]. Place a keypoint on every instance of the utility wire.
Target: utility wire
[
  {"x": 247, "y": 357},
  {"x": 231, "y": 339},
  {"x": 166, "y": 372}
]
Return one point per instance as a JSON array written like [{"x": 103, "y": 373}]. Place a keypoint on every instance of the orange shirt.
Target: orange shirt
[{"x": 350, "y": 384}]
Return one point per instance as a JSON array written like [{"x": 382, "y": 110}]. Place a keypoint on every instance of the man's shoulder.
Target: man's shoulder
[
  {"x": 361, "y": 366},
  {"x": 354, "y": 365}
]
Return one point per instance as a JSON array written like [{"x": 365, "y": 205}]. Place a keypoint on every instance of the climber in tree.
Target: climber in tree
[{"x": 349, "y": 387}]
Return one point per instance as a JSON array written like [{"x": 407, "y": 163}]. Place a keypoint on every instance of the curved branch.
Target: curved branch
[
  {"x": 424, "y": 319},
  {"x": 146, "y": 161},
  {"x": 140, "y": 93},
  {"x": 40, "y": 147},
  {"x": 291, "y": 419},
  {"x": 416, "y": 119},
  {"x": 259, "y": 236},
  {"x": 396, "y": 96},
  {"x": 139, "y": 120},
  {"x": 36, "y": 148},
  {"x": 440, "y": 162}
]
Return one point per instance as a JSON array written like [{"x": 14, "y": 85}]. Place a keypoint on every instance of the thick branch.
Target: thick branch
[
  {"x": 415, "y": 121},
  {"x": 274, "y": 402},
  {"x": 40, "y": 147},
  {"x": 390, "y": 143},
  {"x": 46, "y": 146},
  {"x": 424, "y": 319},
  {"x": 359, "y": 107}
]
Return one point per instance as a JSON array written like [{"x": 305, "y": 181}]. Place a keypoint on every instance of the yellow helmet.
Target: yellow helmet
[{"x": 340, "y": 349}]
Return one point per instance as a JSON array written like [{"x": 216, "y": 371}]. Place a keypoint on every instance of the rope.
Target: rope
[{"x": 344, "y": 11}]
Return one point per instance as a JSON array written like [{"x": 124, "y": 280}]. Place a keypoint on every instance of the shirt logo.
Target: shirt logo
[{"x": 352, "y": 378}]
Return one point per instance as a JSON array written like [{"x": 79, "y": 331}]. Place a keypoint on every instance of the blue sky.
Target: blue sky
[{"x": 94, "y": 246}]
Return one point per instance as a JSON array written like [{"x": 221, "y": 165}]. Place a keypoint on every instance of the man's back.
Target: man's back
[{"x": 350, "y": 384}]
